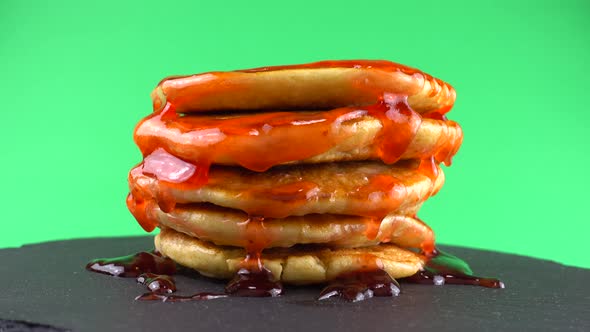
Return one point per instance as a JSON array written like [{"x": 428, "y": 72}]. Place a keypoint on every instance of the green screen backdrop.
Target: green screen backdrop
[{"x": 75, "y": 78}]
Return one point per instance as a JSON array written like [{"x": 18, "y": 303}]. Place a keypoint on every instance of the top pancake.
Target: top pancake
[{"x": 319, "y": 85}]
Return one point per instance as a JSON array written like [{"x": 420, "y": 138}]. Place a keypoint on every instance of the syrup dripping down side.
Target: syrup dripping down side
[{"x": 253, "y": 279}]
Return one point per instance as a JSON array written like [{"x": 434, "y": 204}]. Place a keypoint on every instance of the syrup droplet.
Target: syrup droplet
[{"x": 157, "y": 283}]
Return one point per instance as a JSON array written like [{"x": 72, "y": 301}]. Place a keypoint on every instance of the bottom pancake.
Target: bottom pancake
[
  {"x": 297, "y": 265},
  {"x": 230, "y": 227}
]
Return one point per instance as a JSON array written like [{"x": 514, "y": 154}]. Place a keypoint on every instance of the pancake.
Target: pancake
[
  {"x": 298, "y": 137},
  {"x": 326, "y": 84},
  {"x": 303, "y": 265},
  {"x": 223, "y": 226},
  {"x": 370, "y": 189}
]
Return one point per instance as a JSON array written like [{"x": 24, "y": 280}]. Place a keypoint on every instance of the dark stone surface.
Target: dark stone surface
[
  {"x": 22, "y": 326},
  {"x": 46, "y": 284}
]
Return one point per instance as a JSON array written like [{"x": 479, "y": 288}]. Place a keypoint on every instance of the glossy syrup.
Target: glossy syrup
[
  {"x": 280, "y": 137},
  {"x": 368, "y": 281},
  {"x": 195, "y": 93},
  {"x": 383, "y": 192},
  {"x": 255, "y": 280},
  {"x": 155, "y": 273},
  {"x": 157, "y": 283},
  {"x": 254, "y": 283},
  {"x": 361, "y": 285},
  {"x": 181, "y": 163},
  {"x": 443, "y": 268}
]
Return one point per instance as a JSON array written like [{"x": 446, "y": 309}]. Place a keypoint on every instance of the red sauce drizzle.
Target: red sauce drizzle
[
  {"x": 443, "y": 268},
  {"x": 446, "y": 149},
  {"x": 288, "y": 197},
  {"x": 141, "y": 199},
  {"x": 379, "y": 188},
  {"x": 429, "y": 168},
  {"x": 188, "y": 91},
  {"x": 253, "y": 278},
  {"x": 372, "y": 226},
  {"x": 280, "y": 137},
  {"x": 385, "y": 193},
  {"x": 140, "y": 207},
  {"x": 400, "y": 124},
  {"x": 427, "y": 246},
  {"x": 438, "y": 114},
  {"x": 256, "y": 240},
  {"x": 446, "y": 152}
]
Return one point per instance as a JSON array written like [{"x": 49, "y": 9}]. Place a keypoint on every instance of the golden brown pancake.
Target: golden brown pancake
[
  {"x": 302, "y": 265},
  {"x": 318, "y": 85},
  {"x": 223, "y": 226},
  {"x": 259, "y": 141},
  {"x": 370, "y": 189}
]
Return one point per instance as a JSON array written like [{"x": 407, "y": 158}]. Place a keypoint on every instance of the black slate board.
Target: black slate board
[{"x": 45, "y": 285}]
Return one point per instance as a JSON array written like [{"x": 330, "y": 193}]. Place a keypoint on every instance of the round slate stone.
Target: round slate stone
[{"x": 46, "y": 288}]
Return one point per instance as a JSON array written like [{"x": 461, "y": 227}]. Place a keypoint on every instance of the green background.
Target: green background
[{"x": 75, "y": 78}]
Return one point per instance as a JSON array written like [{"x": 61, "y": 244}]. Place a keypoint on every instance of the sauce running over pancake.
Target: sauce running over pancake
[
  {"x": 262, "y": 140},
  {"x": 366, "y": 64},
  {"x": 373, "y": 79},
  {"x": 377, "y": 194}
]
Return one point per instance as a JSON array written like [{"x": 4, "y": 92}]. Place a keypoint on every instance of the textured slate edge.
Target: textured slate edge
[{"x": 24, "y": 326}]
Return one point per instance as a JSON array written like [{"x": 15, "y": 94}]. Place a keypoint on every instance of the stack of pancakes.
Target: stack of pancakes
[{"x": 310, "y": 170}]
